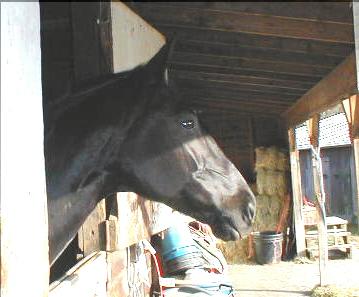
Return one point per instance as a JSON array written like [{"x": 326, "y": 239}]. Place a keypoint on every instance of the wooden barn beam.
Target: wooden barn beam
[
  {"x": 242, "y": 71},
  {"x": 267, "y": 54},
  {"x": 236, "y": 100},
  {"x": 223, "y": 85},
  {"x": 321, "y": 11},
  {"x": 271, "y": 67},
  {"x": 233, "y": 95},
  {"x": 239, "y": 79},
  {"x": 297, "y": 194},
  {"x": 338, "y": 84},
  {"x": 288, "y": 45},
  {"x": 234, "y": 108},
  {"x": 233, "y": 21}
]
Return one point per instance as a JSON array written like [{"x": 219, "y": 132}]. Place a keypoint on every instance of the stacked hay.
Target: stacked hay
[
  {"x": 272, "y": 166},
  {"x": 235, "y": 252}
]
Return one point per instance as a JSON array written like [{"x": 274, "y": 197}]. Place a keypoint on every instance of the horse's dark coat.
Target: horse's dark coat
[{"x": 132, "y": 136}]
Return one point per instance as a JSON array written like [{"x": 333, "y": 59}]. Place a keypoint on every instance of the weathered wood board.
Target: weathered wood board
[
  {"x": 139, "y": 218},
  {"x": 92, "y": 233},
  {"x": 87, "y": 279},
  {"x": 134, "y": 41}
]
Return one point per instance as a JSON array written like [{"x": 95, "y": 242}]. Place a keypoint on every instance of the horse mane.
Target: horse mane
[{"x": 150, "y": 73}]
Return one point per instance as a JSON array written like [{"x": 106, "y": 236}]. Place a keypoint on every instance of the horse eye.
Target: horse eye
[{"x": 188, "y": 124}]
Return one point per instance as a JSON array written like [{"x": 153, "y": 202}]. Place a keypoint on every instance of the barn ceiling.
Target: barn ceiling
[{"x": 253, "y": 57}]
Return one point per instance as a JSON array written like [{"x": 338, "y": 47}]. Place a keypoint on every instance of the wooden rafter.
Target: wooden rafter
[
  {"x": 338, "y": 84},
  {"x": 235, "y": 21}
]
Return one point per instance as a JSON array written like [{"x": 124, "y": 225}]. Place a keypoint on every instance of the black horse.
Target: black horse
[{"x": 132, "y": 135}]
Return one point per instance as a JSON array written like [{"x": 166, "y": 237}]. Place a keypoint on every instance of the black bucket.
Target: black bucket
[{"x": 268, "y": 247}]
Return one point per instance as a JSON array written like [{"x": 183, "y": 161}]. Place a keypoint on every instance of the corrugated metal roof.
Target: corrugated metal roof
[{"x": 333, "y": 131}]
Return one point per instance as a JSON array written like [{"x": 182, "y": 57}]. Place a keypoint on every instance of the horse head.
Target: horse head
[
  {"x": 169, "y": 158},
  {"x": 131, "y": 134}
]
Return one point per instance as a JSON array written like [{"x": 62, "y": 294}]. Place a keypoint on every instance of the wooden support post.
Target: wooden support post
[
  {"x": 351, "y": 108},
  {"x": 356, "y": 111},
  {"x": 297, "y": 194},
  {"x": 313, "y": 127},
  {"x": 24, "y": 229}
]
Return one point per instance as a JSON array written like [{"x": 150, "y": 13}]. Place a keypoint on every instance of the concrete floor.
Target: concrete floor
[{"x": 290, "y": 279}]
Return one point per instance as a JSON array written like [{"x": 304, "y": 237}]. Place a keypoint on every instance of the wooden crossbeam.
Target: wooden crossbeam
[{"x": 338, "y": 84}]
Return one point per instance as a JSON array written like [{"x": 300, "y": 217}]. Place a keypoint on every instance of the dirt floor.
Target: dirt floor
[{"x": 290, "y": 279}]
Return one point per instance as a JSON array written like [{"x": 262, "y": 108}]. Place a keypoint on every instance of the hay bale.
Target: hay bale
[
  {"x": 281, "y": 183},
  {"x": 261, "y": 181},
  {"x": 267, "y": 213},
  {"x": 272, "y": 158},
  {"x": 282, "y": 161},
  {"x": 235, "y": 252},
  {"x": 270, "y": 183},
  {"x": 261, "y": 156}
]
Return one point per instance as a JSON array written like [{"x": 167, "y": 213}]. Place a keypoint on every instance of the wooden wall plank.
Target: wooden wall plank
[
  {"x": 297, "y": 194},
  {"x": 139, "y": 218},
  {"x": 92, "y": 40},
  {"x": 338, "y": 84},
  {"x": 249, "y": 23},
  {"x": 92, "y": 233},
  {"x": 88, "y": 278},
  {"x": 24, "y": 222}
]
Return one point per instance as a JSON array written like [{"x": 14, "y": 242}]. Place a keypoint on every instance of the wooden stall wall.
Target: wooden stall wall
[
  {"x": 339, "y": 180},
  {"x": 239, "y": 134}
]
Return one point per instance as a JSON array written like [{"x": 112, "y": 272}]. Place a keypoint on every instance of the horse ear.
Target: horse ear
[
  {"x": 171, "y": 45},
  {"x": 157, "y": 66}
]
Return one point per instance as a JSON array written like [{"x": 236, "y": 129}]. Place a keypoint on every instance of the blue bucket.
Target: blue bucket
[
  {"x": 179, "y": 250},
  {"x": 177, "y": 242}
]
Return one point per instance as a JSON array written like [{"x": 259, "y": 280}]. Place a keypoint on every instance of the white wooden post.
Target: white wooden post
[
  {"x": 24, "y": 234},
  {"x": 355, "y": 133}
]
